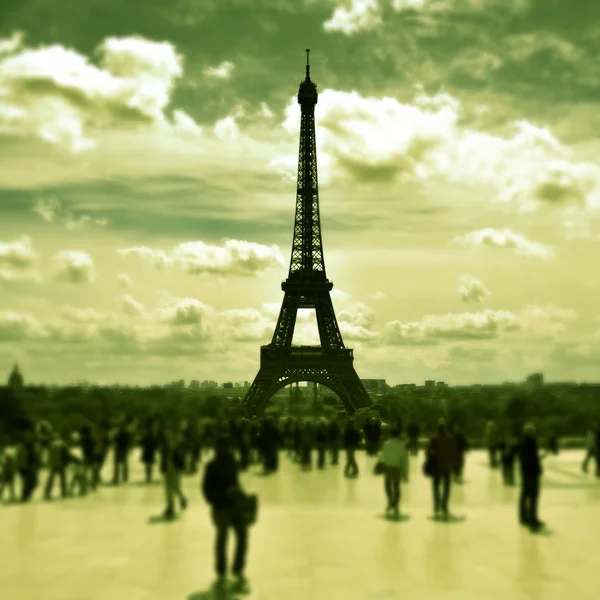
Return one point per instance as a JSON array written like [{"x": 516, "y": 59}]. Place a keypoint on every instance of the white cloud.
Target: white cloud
[
  {"x": 379, "y": 296},
  {"x": 81, "y": 315},
  {"x": 227, "y": 129},
  {"x": 235, "y": 257},
  {"x": 432, "y": 329},
  {"x": 184, "y": 311},
  {"x": 74, "y": 266},
  {"x": 56, "y": 94},
  {"x": 266, "y": 111},
  {"x": 353, "y": 16},
  {"x": 51, "y": 211},
  {"x": 131, "y": 306},
  {"x": 505, "y": 238},
  {"x": 221, "y": 71},
  {"x": 184, "y": 125},
  {"x": 471, "y": 289},
  {"x": 125, "y": 282},
  {"x": 17, "y": 261},
  {"x": 11, "y": 44}
]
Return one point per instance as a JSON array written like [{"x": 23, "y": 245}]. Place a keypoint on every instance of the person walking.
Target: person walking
[
  {"x": 28, "y": 463},
  {"x": 7, "y": 473},
  {"x": 351, "y": 443},
  {"x": 442, "y": 449},
  {"x": 334, "y": 435},
  {"x": 219, "y": 486},
  {"x": 58, "y": 460},
  {"x": 173, "y": 452},
  {"x": 321, "y": 437},
  {"x": 394, "y": 456},
  {"x": 491, "y": 437},
  {"x": 149, "y": 444},
  {"x": 509, "y": 447},
  {"x": 413, "y": 437},
  {"x": 531, "y": 472}
]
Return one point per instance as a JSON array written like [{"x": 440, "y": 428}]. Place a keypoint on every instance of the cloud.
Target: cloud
[
  {"x": 16, "y": 327},
  {"x": 432, "y": 329},
  {"x": 51, "y": 211},
  {"x": 221, "y": 71},
  {"x": 125, "y": 282},
  {"x": 266, "y": 111},
  {"x": 17, "y": 261},
  {"x": 227, "y": 129},
  {"x": 131, "y": 306},
  {"x": 529, "y": 167},
  {"x": 11, "y": 44},
  {"x": 353, "y": 16},
  {"x": 56, "y": 94},
  {"x": 471, "y": 289},
  {"x": 74, "y": 266},
  {"x": 533, "y": 321},
  {"x": 184, "y": 311},
  {"x": 379, "y": 296},
  {"x": 505, "y": 238},
  {"x": 233, "y": 257},
  {"x": 81, "y": 315}
]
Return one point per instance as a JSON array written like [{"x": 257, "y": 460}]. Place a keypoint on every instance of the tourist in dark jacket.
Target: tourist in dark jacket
[
  {"x": 28, "y": 463},
  {"x": 351, "y": 443},
  {"x": 321, "y": 438},
  {"x": 172, "y": 466},
  {"x": 122, "y": 444},
  {"x": 443, "y": 450},
  {"x": 307, "y": 440},
  {"x": 531, "y": 472},
  {"x": 269, "y": 443},
  {"x": 219, "y": 486}
]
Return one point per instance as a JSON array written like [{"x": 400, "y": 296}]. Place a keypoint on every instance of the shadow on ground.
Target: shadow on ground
[
  {"x": 157, "y": 519},
  {"x": 447, "y": 519},
  {"x": 390, "y": 517},
  {"x": 221, "y": 592}
]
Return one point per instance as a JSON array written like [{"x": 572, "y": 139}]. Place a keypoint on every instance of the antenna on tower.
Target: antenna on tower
[{"x": 307, "y": 65}]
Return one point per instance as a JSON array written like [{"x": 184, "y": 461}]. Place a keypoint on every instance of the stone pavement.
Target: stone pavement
[{"x": 319, "y": 536}]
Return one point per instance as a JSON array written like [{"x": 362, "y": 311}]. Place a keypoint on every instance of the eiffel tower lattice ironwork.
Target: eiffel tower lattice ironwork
[{"x": 307, "y": 286}]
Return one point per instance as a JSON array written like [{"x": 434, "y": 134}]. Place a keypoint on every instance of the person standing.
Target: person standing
[
  {"x": 28, "y": 463},
  {"x": 462, "y": 447},
  {"x": 58, "y": 460},
  {"x": 531, "y": 472},
  {"x": 394, "y": 456},
  {"x": 509, "y": 448},
  {"x": 334, "y": 435},
  {"x": 441, "y": 447},
  {"x": 7, "y": 473},
  {"x": 89, "y": 449},
  {"x": 413, "y": 437},
  {"x": 219, "y": 486},
  {"x": 149, "y": 444},
  {"x": 351, "y": 443},
  {"x": 590, "y": 449},
  {"x": 321, "y": 436},
  {"x": 491, "y": 436},
  {"x": 122, "y": 443}
]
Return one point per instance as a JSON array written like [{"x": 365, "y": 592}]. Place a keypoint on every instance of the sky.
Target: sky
[{"x": 148, "y": 162}]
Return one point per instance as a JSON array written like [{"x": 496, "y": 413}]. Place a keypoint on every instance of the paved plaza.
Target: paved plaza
[{"x": 319, "y": 536}]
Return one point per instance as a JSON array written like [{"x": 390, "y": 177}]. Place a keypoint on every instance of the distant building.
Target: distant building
[
  {"x": 228, "y": 385},
  {"x": 178, "y": 385},
  {"x": 15, "y": 379},
  {"x": 535, "y": 380},
  {"x": 441, "y": 384},
  {"x": 194, "y": 384},
  {"x": 375, "y": 385},
  {"x": 209, "y": 385},
  {"x": 429, "y": 384},
  {"x": 246, "y": 384}
]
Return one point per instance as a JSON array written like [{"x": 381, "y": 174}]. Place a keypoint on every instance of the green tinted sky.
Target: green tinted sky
[{"x": 147, "y": 164}]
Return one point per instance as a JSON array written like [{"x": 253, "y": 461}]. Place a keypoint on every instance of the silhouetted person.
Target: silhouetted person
[
  {"x": 89, "y": 448},
  {"x": 413, "y": 437},
  {"x": 372, "y": 431},
  {"x": 462, "y": 447},
  {"x": 442, "y": 447},
  {"x": 509, "y": 448},
  {"x": 597, "y": 450},
  {"x": 172, "y": 464},
  {"x": 245, "y": 443},
  {"x": 58, "y": 459},
  {"x": 531, "y": 472},
  {"x": 334, "y": 438},
  {"x": 351, "y": 443},
  {"x": 321, "y": 439},
  {"x": 590, "y": 449},
  {"x": 103, "y": 447},
  {"x": 491, "y": 436},
  {"x": 149, "y": 444},
  {"x": 219, "y": 485},
  {"x": 552, "y": 442},
  {"x": 76, "y": 466},
  {"x": 269, "y": 443},
  {"x": 8, "y": 471},
  {"x": 28, "y": 463},
  {"x": 122, "y": 444},
  {"x": 307, "y": 440},
  {"x": 394, "y": 456}
]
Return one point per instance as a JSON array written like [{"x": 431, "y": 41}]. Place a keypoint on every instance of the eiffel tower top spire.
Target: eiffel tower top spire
[{"x": 307, "y": 262}]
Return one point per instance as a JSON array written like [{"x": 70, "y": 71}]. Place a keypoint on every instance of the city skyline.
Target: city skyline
[{"x": 147, "y": 186}]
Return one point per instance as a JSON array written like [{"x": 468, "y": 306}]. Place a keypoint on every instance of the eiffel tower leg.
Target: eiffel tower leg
[{"x": 260, "y": 391}]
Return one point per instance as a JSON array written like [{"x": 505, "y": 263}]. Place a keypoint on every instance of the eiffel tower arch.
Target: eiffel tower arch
[{"x": 307, "y": 286}]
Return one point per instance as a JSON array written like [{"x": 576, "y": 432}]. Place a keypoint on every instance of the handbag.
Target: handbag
[
  {"x": 245, "y": 506},
  {"x": 429, "y": 466},
  {"x": 379, "y": 468}
]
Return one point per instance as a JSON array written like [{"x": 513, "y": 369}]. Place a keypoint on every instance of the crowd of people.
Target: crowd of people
[{"x": 76, "y": 459}]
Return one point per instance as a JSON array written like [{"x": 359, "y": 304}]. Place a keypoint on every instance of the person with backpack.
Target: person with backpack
[
  {"x": 220, "y": 485},
  {"x": 394, "y": 456}
]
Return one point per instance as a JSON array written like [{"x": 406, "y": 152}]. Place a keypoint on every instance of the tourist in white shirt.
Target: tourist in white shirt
[{"x": 394, "y": 457}]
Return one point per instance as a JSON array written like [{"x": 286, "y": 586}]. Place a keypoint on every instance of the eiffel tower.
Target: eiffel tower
[{"x": 307, "y": 286}]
